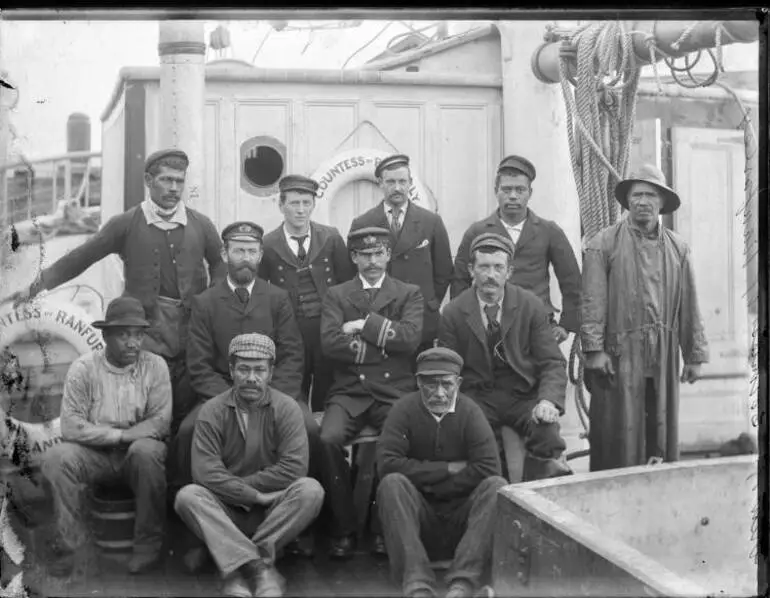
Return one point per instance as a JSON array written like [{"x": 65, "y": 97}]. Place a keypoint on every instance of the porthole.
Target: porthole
[{"x": 263, "y": 162}]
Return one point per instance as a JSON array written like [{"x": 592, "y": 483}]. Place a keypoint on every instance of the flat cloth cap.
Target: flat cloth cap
[
  {"x": 165, "y": 153},
  {"x": 492, "y": 241},
  {"x": 297, "y": 182},
  {"x": 394, "y": 161},
  {"x": 517, "y": 163},
  {"x": 439, "y": 361},
  {"x": 243, "y": 231},
  {"x": 252, "y": 346},
  {"x": 369, "y": 238}
]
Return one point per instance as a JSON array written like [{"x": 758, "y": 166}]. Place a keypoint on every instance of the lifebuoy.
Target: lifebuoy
[{"x": 357, "y": 165}]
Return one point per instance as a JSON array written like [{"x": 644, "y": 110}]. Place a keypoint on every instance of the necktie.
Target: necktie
[
  {"x": 395, "y": 223},
  {"x": 491, "y": 313},
  {"x": 301, "y": 253},
  {"x": 243, "y": 294},
  {"x": 372, "y": 293}
]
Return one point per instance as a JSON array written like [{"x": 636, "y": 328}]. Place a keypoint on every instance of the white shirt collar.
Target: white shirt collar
[
  {"x": 152, "y": 215},
  {"x": 249, "y": 287},
  {"x": 292, "y": 243},
  {"x": 376, "y": 285},
  {"x": 389, "y": 209},
  {"x": 483, "y": 304},
  {"x": 516, "y": 227}
]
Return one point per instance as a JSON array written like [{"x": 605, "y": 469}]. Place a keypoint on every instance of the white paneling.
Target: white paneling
[
  {"x": 327, "y": 124},
  {"x": 212, "y": 119},
  {"x": 113, "y": 160}
]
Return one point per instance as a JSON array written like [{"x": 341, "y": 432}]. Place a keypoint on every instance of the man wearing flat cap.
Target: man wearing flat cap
[
  {"x": 441, "y": 473},
  {"x": 250, "y": 495},
  {"x": 538, "y": 244},
  {"x": 370, "y": 329},
  {"x": 306, "y": 258},
  {"x": 165, "y": 247},
  {"x": 115, "y": 415},
  {"x": 640, "y": 308},
  {"x": 420, "y": 251},
  {"x": 513, "y": 367}
]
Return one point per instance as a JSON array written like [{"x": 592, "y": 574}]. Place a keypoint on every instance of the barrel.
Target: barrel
[{"x": 113, "y": 515}]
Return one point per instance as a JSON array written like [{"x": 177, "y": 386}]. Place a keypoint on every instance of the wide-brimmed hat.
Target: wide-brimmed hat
[
  {"x": 648, "y": 173},
  {"x": 123, "y": 311}
]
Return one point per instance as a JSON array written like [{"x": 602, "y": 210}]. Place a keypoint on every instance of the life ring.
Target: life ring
[{"x": 357, "y": 165}]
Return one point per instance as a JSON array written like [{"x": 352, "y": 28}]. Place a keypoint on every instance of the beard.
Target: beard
[{"x": 242, "y": 273}]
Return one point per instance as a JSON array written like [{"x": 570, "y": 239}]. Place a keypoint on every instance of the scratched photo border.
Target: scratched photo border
[{"x": 563, "y": 11}]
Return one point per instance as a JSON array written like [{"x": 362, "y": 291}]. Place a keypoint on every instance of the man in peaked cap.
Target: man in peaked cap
[
  {"x": 306, "y": 258},
  {"x": 370, "y": 328},
  {"x": 115, "y": 415},
  {"x": 441, "y": 473},
  {"x": 420, "y": 251},
  {"x": 250, "y": 495},
  {"x": 513, "y": 367},
  {"x": 640, "y": 308},
  {"x": 170, "y": 253},
  {"x": 538, "y": 244}
]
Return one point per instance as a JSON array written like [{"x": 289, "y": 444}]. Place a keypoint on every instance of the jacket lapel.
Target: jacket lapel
[
  {"x": 410, "y": 233},
  {"x": 229, "y": 298},
  {"x": 509, "y": 307},
  {"x": 470, "y": 308},
  {"x": 318, "y": 237},
  {"x": 529, "y": 230},
  {"x": 385, "y": 295},
  {"x": 256, "y": 299},
  {"x": 358, "y": 298},
  {"x": 283, "y": 250}
]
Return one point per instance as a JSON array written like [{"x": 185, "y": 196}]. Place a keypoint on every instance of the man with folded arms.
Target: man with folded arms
[
  {"x": 441, "y": 469},
  {"x": 249, "y": 462}
]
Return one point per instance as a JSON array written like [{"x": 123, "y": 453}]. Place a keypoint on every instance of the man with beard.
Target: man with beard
[
  {"x": 538, "y": 244},
  {"x": 115, "y": 415},
  {"x": 370, "y": 328},
  {"x": 306, "y": 258},
  {"x": 164, "y": 246},
  {"x": 640, "y": 307},
  {"x": 243, "y": 303},
  {"x": 420, "y": 252},
  {"x": 250, "y": 458},
  {"x": 441, "y": 473},
  {"x": 513, "y": 366}
]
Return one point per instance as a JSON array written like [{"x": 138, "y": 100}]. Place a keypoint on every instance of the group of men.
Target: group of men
[{"x": 257, "y": 332}]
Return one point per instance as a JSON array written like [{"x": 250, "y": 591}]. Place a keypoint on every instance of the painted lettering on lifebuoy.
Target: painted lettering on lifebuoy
[{"x": 69, "y": 322}]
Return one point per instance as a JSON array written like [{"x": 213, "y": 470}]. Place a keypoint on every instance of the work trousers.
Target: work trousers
[
  {"x": 338, "y": 429},
  {"x": 183, "y": 397},
  {"x": 235, "y": 536},
  {"x": 72, "y": 468},
  {"x": 318, "y": 375},
  {"x": 414, "y": 527}
]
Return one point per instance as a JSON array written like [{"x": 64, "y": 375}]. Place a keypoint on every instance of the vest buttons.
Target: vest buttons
[
  {"x": 329, "y": 280},
  {"x": 280, "y": 267},
  {"x": 362, "y": 377},
  {"x": 386, "y": 375}
]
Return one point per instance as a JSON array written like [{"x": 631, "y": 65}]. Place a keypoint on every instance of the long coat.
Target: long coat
[
  {"x": 328, "y": 260},
  {"x": 218, "y": 316},
  {"x": 528, "y": 345},
  {"x": 542, "y": 243},
  {"x": 377, "y": 364},
  {"x": 614, "y": 322},
  {"x": 421, "y": 255}
]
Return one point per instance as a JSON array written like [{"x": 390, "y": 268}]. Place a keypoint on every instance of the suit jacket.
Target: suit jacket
[
  {"x": 542, "y": 243},
  {"x": 218, "y": 316},
  {"x": 529, "y": 346},
  {"x": 328, "y": 260},
  {"x": 421, "y": 255},
  {"x": 377, "y": 364}
]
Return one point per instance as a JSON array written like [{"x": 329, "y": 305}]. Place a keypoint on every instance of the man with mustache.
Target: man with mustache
[
  {"x": 420, "y": 251},
  {"x": 370, "y": 329},
  {"x": 513, "y": 366},
  {"x": 251, "y": 495},
  {"x": 538, "y": 244},
  {"x": 640, "y": 307},
  {"x": 115, "y": 415},
  {"x": 441, "y": 473},
  {"x": 306, "y": 258},
  {"x": 165, "y": 246}
]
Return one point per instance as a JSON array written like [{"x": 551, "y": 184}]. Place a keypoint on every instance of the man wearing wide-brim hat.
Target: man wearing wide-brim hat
[
  {"x": 115, "y": 415},
  {"x": 640, "y": 308}
]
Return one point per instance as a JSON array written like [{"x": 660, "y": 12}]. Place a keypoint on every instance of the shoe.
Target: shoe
[
  {"x": 485, "y": 592},
  {"x": 195, "y": 559},
  {"x": 236, "y": 587},
  {"x": 378, "y": 546},
  {"x": 143, "y": 561},
  {"x": 537, "y": 468},
  {"x": 263, "y": 580},
  {"x": 301, "y": 547},
  {"x": 460, "y": 589},
  {"x": 341, "y": 548}
]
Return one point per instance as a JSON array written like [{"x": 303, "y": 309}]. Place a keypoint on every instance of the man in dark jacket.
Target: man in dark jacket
[
  {"x": 513, "y": 367},
  {"x": 420, "y": 248},
  {"x": 306, "y": 258},
  {"x": 164, "y": 245},
  {"x": 370, "y": 328},
  {"x": 538, "y": 243},
  {"x": 441, "y": 473}
]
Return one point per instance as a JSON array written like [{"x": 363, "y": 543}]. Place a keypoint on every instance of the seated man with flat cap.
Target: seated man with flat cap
[
  {"x": 513, "y": 366},
  {"x": 370, "y": 329},
  {"x": 306, "y": 258},
  {"x": 538, "y": 244},
  {"x": 251, "y": 495},
  {"x": 115, "y": 414},
  {"x": 441, "y": 473}
]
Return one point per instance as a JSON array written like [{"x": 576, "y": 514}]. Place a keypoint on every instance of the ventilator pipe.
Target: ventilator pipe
[{"x": 700, "y": 35}]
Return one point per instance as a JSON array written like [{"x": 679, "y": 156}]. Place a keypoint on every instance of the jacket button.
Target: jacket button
[
  {"x": 362, "y": 377},
  {"x": 387, "y": 375},
  {"x": 280, "y": 267},
  {"x": 406, "y": 257},
  {"x": 282, "y": 280},
  {"x": 329, "y": 280},
  {"x": 328, "y": 269}
]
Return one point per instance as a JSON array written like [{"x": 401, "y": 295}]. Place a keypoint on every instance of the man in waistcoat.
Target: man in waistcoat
[
  {"x": 306, "y": 258},
  {"x": 165, "y": 247},
  {"x": 420, "y": 251}
]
